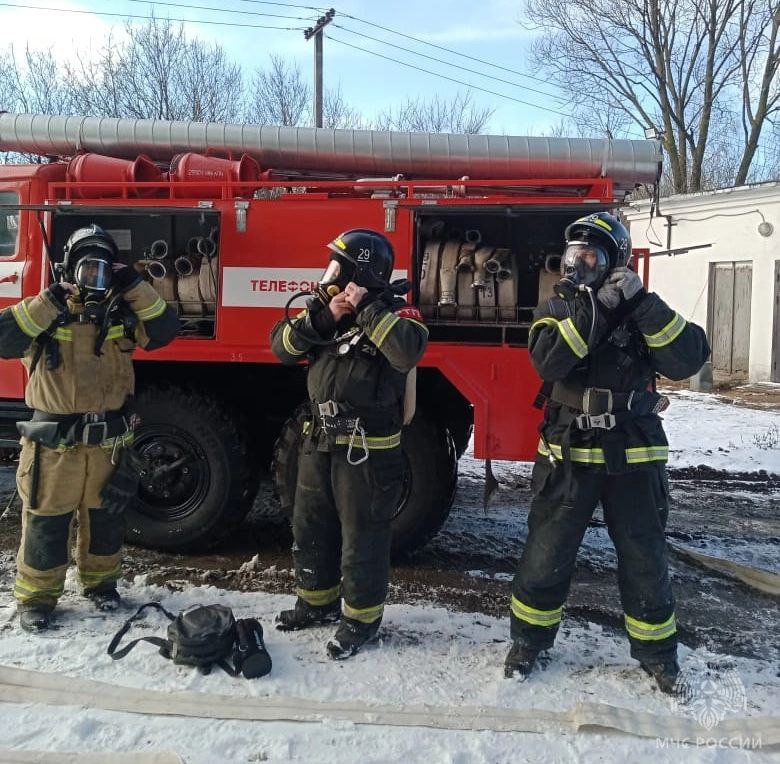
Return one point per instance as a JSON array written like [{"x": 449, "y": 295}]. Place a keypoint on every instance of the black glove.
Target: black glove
[
  {"x": 321, "y": 318},
  {"x": 125, "y": 278},
  {"x": 58, "y": 295}
]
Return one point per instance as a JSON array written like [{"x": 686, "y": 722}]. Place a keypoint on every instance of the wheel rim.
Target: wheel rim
[{"x": 178, "y": 477}]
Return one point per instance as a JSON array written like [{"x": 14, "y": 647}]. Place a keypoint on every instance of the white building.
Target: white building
[{"x": 731, "y": 288}]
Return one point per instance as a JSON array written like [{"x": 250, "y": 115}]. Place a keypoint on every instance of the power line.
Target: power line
[
  {"x": 451, "y": 79},
  {"x": 219, "y": 10},
  {"x": 441, "y": 47},
  {"x": 150, "y": 18},
  {"x": 446, "y": 63},
  {"x": 285, "y": 5}
]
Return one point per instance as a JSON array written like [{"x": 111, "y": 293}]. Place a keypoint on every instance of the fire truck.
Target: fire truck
[{"x": 228, "y": 222}]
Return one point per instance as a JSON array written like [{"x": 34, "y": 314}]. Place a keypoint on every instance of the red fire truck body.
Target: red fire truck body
[{"x": 215, "y": 401}]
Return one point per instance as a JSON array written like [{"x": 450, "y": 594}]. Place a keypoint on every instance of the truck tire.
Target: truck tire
[
  {"x": 429, "y": 484},
  {"x": 197, "y": 489}
]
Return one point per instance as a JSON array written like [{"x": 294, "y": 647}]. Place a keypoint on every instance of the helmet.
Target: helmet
[
  {"x": 594, "y": 245},
  {"x": 362, "y": 256},
  {"x": 89, "y": 255}
]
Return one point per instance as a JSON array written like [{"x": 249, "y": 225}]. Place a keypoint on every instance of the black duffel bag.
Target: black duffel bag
[{"x": 204, "y": 636}]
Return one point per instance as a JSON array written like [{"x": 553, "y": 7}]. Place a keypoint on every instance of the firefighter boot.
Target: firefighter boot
[
  {"x": 34, "y": 619},
  {"x": 520, "y": 660},
  {"x": 304, "y": 615},
  {"x": 350, "y": 636},
  {"x": 665, "y": 674},
  {"x": 105, "y": 598}
]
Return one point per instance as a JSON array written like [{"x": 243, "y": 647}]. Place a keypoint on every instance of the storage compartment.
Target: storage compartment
[
  {"x": 176, "y": 252},
  {"x": 479, "y": 275}
]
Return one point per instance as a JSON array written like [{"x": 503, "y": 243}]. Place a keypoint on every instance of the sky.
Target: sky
[{"x": 490, "y": 30}]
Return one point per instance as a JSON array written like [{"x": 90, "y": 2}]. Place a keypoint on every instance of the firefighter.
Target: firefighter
[
  {"x": 76, "y": 340},
  {"x": 350, "y": 468},
  {"x": 598, "y": 345}
]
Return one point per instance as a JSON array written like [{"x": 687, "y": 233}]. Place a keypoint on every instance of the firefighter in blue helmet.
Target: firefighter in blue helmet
[
  {"x": 361, "y": 340},
  {"x": 598, "y": 345}
]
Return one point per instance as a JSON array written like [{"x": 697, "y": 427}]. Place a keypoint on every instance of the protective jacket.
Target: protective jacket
[
  {"x": 575, "y": 351},
  {"x": 365, "y": 372},
  {"x": 69, "y": 376}
]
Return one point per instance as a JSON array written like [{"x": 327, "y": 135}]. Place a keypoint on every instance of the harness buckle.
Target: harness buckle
[
  {"x": 358, "y": 429},
  {"x": 592, "y": 400},
  {"x": 93, "y": 429},
  {"x": 604, "y": 421},
  {"x": 329, "y": 408}
]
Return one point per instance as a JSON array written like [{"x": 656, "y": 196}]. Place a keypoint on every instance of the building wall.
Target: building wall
[{"x": 728, "y": 220}]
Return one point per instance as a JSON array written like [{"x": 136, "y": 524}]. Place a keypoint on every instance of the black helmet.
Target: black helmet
[
  {"x": 605, "y": 229},
  {"x": 89, "y": 255},
  {"x": 363, "y": 256},
  {"x": 594, "y": 245}
]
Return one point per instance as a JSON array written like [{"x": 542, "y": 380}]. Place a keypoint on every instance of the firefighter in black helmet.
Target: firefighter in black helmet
[
  {"x": 361, "y": 340},
  {"x": 76, "y": 340},
  {"x": 598, "y": 346}
]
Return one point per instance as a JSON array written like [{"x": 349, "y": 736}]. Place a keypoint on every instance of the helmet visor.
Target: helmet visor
[
  {"x": 332, "y": 273},
  {"x": 93, "y": 273},
  {"x": 584, "y": 263}
]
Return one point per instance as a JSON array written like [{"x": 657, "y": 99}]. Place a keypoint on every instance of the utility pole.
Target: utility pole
[{"x": 316, "y": 33}]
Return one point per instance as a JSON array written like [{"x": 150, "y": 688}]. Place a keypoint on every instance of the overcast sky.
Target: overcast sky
[{"x": 486, "y": 29}]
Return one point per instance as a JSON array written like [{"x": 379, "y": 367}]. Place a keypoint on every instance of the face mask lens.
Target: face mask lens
[
  {"x": 332, "y": 273},
  {"x": 584, "y": 263},
  {"x": 93, "y": 274}
]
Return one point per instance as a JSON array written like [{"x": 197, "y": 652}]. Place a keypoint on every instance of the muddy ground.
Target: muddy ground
[{"x": 469, "y": 565}]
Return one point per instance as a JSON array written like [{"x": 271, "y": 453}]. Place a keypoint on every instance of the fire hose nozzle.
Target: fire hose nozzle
[
  {"x": 158, "y": 250},
  {"x": 183, "y": 266},
  {"x": 156, "y": 269}
]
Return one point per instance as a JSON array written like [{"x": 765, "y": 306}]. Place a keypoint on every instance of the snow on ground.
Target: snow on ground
[
  {"x": 703, "y": 429},
  {"x": 427, "y": 655}
]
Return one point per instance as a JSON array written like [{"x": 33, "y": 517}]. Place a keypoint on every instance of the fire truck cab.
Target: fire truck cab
[{"x": 227, "y": 244}]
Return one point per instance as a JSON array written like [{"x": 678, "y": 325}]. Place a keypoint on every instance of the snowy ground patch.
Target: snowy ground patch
[
  {"x": 427, "y": 655},
  {"x": 703, "y": 429}
]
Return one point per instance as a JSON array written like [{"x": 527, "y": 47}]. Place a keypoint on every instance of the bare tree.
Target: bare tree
[
  {"x": 156, "y": 72},
  {"x": 436, "y": 115},
  {"x": 280, "y": 95},
  {"x": 665, "y": 63},
  {"x": 336, "y": 112}
]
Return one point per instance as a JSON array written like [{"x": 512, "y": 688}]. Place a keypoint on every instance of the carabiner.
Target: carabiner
[{"x": 357, "y": 429}]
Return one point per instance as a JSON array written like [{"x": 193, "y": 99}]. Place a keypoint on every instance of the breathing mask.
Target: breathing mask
[{"x": 583, "y": 265}]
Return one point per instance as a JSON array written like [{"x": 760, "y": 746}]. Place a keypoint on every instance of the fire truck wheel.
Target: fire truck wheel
[
  {"x": 197, "y": 489},
  {"x": 429, "y": 484}
]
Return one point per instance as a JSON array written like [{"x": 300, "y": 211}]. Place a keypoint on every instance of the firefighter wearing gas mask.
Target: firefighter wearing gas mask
[
  {"x": 361, "y": 340},
  {"x": 76, "y": 340},
  {"x": 598, "y": 346}
]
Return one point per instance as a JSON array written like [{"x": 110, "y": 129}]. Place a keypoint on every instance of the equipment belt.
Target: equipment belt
[
  {"x": 90, "y": 428},
  {"x": 339, "y": 418},
  {"x": 602, "y": 408}
]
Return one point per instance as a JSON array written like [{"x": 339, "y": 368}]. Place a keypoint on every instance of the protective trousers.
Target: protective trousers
[
  {"x": 69, "y": 486},
  {"x": 341, "y": 528},
  {"x": 635, "y": 508}
]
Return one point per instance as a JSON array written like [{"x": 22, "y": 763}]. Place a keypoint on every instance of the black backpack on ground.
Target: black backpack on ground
[{"x": 204, "y": 636}]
